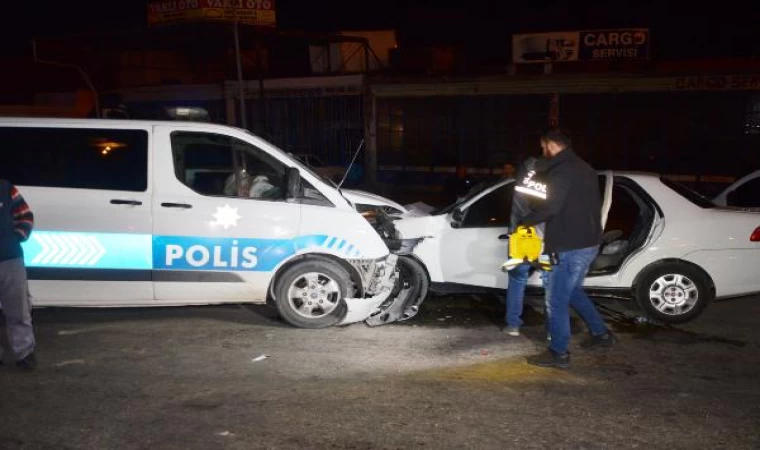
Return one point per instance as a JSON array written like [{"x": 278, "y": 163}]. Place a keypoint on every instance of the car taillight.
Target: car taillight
[{"x": 755, "y": 235}]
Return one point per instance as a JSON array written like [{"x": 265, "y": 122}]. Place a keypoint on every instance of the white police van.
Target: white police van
[{"x": 135, "y": 213}]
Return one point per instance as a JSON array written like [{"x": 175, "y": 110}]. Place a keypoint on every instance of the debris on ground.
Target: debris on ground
[
  {"x": 70, "y": 362},
  {"x": 71, "y": 332}
]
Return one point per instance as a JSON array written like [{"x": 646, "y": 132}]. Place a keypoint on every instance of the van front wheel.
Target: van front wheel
[{"x": 310, "y": 294}]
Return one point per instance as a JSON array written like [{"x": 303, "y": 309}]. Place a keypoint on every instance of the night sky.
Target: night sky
[{"x": 679, "y": 29}]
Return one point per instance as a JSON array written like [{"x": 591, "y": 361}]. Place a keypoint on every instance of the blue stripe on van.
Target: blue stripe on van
[
  {"x": 66, "y": 250},
  {"x": 88, "y": 250}
]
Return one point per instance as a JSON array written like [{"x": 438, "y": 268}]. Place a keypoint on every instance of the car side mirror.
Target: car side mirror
[
  {"x": 294, "y": 183},
  {"x": 457, "y": 216}
]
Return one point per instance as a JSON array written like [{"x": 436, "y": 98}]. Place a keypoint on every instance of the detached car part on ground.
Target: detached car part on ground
[{"x": 665, "y": 246}]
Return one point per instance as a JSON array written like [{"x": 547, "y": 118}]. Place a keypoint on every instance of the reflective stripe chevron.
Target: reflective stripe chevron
[
  {"x": 73, "y": 249},
  {"x": 341, "y": 246},
  {"x": 88, "y": 250}
]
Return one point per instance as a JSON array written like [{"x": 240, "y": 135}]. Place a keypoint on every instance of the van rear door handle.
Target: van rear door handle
[
  {"x": 176, "y": 205},
  {"x": 117, "y": 201}
]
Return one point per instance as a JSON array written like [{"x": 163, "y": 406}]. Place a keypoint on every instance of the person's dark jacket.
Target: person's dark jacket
[
  {"x": 528, "y": 196},
  {"x": 572, "y": 209}
]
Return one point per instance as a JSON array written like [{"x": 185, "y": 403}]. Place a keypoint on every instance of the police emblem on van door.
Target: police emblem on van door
[{"x": 226, "y": 217}]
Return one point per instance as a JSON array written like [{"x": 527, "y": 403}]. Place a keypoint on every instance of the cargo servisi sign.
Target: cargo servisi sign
[
  {"x": 253, "y": 12},
  {"x": 588, "y": 45}
]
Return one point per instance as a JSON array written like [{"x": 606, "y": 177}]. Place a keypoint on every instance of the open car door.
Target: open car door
[{"x": 470, "y": 250}]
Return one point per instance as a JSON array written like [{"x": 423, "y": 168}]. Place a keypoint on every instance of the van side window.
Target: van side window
[
  {"x": 223, "y": 166},
  {"x": 79, "y": 158}
]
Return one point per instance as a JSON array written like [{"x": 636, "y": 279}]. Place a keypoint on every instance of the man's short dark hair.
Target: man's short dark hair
[{"x": 558, "y": 136}]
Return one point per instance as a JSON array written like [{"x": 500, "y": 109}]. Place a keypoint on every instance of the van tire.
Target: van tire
[{"x": 321, "y": 282}]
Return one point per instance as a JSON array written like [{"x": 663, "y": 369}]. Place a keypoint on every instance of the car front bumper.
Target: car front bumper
[{"x": 378, "y": 287}]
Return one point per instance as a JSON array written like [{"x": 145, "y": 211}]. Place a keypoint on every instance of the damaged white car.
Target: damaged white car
[{"x": 665, "y": 246}]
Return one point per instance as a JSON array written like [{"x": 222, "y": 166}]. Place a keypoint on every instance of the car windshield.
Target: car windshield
[
  {"x": 688, "y": 193},
  {"x": 474, "y": 191}
]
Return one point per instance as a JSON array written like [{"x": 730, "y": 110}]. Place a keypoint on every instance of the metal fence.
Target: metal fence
[
  {"x": 330, "y": 126},
  {"x": 477, "y": 131},
  {"x": 696, "y": 134}
]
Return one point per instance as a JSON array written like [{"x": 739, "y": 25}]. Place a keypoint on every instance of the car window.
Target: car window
[
  {"x": 80, "y": 158},
  {"x": 493, "y": 210},
  {"x": 746, "y": 195},
  {"x": 472, "y": 193},
  {"x": 689, "y": 194},
  {"x": 218, "y": 165}
]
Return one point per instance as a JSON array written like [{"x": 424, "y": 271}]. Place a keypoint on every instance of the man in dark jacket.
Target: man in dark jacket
[
  {"x": 572, "y": 212},
  {"x": 16, "y": 223}
]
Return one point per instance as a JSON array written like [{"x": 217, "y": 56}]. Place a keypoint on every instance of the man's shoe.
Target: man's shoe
[
  {"x": 28, "y": 364},
  {"x": 605, "y": 340},
  {"x": 550, "y": 358},
  {"x": 512, "y": 331}
]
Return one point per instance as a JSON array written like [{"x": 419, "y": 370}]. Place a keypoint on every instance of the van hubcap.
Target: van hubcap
[{"x": 314, "y": 295}]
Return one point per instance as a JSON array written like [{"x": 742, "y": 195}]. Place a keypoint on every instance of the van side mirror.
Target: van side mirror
[
  {"x": 457, "y": 216},
  {"x": 293, "y": 177}
]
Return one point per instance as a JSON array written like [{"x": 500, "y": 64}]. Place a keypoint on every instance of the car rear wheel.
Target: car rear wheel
[
  {"x": 673, "y": 292},
  {"x": 310, "y": 294}
]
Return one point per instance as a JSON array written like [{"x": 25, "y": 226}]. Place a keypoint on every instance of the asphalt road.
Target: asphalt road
[{"x": 236, "y": 377}]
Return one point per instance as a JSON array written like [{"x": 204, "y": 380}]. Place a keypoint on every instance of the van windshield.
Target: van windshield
[{"x": 301, "y": 165}]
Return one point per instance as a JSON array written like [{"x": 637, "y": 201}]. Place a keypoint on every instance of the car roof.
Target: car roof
[{"x": 633, "y": 174}]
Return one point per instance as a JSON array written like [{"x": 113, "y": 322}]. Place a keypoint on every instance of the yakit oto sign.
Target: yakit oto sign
[
  {"x": 253, "y": 12},
  {"x": 590, "y": 45}
]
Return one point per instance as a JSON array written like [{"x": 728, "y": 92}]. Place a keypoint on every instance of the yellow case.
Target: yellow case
[{"x": 525, "y": 244}]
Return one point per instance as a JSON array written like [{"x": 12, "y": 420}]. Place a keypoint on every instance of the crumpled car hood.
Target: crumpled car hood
[{"x": 419, "y": 227}]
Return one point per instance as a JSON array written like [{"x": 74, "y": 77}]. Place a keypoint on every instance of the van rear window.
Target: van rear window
[{"x": 96, "y": 158}]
